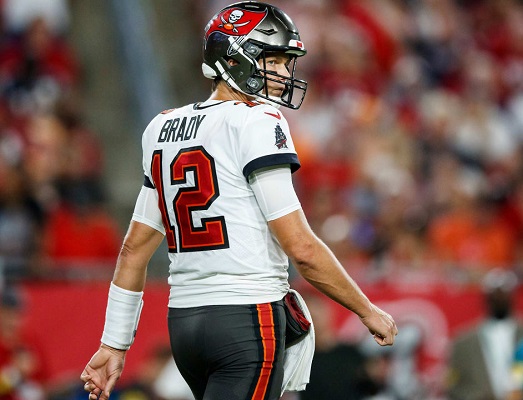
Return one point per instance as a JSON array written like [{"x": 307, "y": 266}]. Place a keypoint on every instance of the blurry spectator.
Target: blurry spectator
[
  {"x": 21, "y": 221},
  {"x": 435, "y": 33},
  {"x": 482, "y": 135},
  {"x": 86, "y": 155},
  {"x": 480, "y": 359},
  {"x": 393, "y": 373},
  {"x": 22, "y": 366},
  {"x": 36, "y": 69},
  {"x": 60, "y": 148},
  {"x": 337, "y": 367},
  {"x": 374, "y": 382},
  {"x": 47, "y": 158},
  {"x": 18, "y": 14},
  {"x": 21, "y": 217}
]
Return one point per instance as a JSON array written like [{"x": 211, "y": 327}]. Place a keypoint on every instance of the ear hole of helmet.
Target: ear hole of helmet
[
  {"x": 255, "y": 84},
  {"x": 252, "y": 49}
]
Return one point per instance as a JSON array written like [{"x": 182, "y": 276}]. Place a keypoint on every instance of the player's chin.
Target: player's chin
[{"x": 276, "y": 94}]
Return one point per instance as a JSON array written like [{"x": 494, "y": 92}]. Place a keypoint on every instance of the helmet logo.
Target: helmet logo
[
  {"x": 235, "y": 22},
  {"x": 234, "y": 16}
]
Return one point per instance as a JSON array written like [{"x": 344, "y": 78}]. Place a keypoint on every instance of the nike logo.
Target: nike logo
[
  {"x": 198, "y": 106},
  {"x": 277, "y": 115}
]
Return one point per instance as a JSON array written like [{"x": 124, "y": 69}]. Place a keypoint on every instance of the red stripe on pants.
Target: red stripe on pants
[{"x": 265, "y": 318}]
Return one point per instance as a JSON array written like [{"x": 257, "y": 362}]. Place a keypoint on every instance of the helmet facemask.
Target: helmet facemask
[{"x": 258, "y": 84}]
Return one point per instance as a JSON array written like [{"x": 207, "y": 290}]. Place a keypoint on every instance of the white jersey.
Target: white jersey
[{"x": 198, "y": 159}]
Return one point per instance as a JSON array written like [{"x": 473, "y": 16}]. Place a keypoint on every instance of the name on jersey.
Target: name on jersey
[{"x": 179, "y": 129}]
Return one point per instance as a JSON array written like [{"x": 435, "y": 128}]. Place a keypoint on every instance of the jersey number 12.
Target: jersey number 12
[{"x": 212, "y": 234}]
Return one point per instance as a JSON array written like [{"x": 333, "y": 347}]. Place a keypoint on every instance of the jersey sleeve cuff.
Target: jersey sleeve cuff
[
  {"x": 285, "y": 211},
  {"x": 270, "y": 160},
  {"x": 148, "y": 222}
]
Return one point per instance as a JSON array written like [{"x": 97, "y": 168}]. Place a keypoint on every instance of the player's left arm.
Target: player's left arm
[{"x": 312, "y": 258}]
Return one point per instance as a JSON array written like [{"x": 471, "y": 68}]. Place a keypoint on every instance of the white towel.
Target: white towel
[{"x": 298, "y": 358}]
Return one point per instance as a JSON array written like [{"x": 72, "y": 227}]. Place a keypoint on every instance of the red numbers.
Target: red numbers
[{"x": 211, "y": 232}]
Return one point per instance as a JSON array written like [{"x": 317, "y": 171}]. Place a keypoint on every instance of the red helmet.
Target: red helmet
[{"x": 246, "y": 32}]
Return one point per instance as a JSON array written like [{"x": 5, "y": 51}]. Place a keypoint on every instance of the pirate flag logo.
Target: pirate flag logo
[
  {"x": 281, "y": 139},
  {"x": 235, "y": 22}
]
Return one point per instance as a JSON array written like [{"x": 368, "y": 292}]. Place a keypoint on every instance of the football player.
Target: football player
[{"x": 218, "y": 187}]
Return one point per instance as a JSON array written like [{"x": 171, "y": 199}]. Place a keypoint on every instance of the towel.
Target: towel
[{"x": 297, "y": 361}]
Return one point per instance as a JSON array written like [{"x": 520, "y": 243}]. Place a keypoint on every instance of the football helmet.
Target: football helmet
[{"x": 246, "y": 32}]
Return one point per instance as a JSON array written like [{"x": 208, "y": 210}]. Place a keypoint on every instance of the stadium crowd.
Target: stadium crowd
[
  {"x": 410, "y": 139},
  {"x": 51, "y": 163},
  {"x": 411, "y": 134}
]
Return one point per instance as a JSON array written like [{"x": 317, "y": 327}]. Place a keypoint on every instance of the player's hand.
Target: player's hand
[
  {"x": 381, "y": 325},
  {"x": 102, "y": 372}
]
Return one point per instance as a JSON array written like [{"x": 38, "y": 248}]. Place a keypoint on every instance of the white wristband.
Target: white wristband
[{"x": 121, "y": 317}]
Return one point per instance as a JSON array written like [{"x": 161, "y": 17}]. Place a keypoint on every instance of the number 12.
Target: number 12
[{"x": 213, "y": 231}]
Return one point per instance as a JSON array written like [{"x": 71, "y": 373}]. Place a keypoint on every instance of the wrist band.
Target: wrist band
[{"x": 121, "y": 317}]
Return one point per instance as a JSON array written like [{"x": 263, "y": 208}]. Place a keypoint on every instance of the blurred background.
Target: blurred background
[{"x": 411, "y": 143}]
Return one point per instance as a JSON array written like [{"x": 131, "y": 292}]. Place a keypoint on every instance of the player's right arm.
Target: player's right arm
[
  {"x": 106, "y": 365},
  {"x": 125, "y": 297},
  {"x": 139, "y": 245}
]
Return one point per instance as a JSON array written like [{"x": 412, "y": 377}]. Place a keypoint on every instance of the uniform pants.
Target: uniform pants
[{"x": 230, "y": 352}]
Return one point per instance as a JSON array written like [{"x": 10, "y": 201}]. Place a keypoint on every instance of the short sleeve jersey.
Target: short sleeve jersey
[{"x": 198, "y": 159}]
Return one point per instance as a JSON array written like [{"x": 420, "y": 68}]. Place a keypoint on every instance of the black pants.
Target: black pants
[{"x": 230, "y": 352}]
